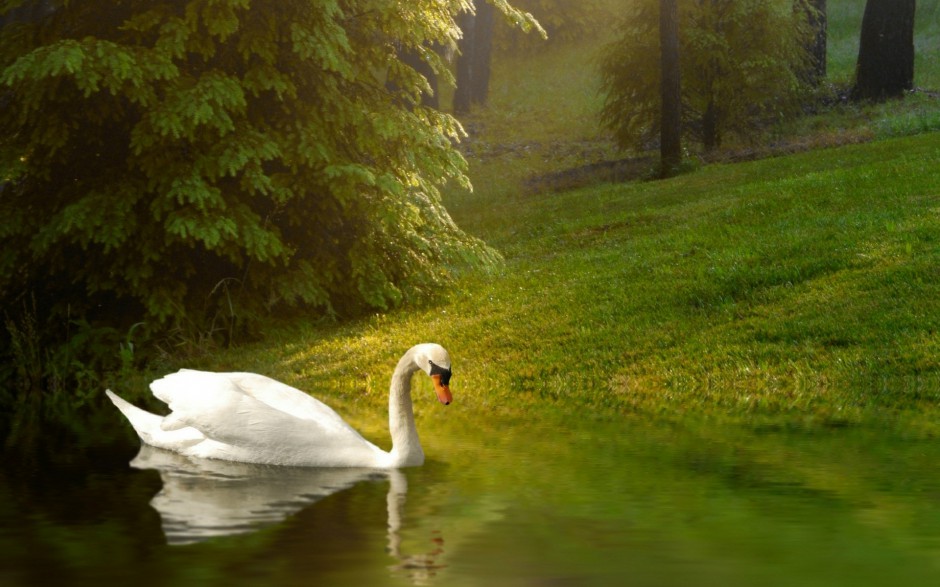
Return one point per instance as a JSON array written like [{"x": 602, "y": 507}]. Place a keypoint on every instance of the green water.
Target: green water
[{"x": 504, "y": 502}]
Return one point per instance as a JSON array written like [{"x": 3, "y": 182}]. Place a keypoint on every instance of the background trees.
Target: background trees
[
  {"x": 818, "y": 21},
  {"x": 562, "y": 20},
  {"x": 670, "y": 135},
  {"x": 473, "y": 60},
  {"x": 741, "y": 63},
  {"x": 193, "y": 163}
]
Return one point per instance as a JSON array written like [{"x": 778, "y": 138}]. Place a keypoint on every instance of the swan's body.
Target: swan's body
[{"x": 254, "y": 419}]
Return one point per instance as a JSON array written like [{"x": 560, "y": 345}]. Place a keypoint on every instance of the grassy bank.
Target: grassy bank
[{"x": 796, "y": 291}]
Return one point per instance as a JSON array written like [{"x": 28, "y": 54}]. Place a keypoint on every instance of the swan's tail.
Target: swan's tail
[{"x": 149, "y": 427}]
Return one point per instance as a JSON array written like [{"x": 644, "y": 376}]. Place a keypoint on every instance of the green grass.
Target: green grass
[{"x": 796, "y": 291}]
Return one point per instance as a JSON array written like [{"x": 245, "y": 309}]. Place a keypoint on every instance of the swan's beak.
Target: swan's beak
[{"x": 443, "y": 391}]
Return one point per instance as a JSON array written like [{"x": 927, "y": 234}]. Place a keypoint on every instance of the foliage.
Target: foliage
[
  {"x": 740, "y": 65},
  {"x": 176, "y": 161}
]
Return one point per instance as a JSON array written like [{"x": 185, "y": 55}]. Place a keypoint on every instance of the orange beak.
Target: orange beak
[{"x": 443, "y": 391}]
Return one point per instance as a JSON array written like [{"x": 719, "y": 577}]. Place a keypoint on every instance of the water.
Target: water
[{"x": 505, "y": 502}]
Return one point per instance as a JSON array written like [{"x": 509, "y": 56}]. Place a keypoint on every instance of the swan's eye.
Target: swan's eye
[{"x": 438, "y": 370}]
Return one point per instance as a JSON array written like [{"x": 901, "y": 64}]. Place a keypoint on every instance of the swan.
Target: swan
[{"x": 251, "y": 418}]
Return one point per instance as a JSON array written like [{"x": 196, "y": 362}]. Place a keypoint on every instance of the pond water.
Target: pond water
[{"x": 502, "y": 502}]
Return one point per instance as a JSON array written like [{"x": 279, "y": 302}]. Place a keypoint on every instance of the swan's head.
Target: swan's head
[{"x": 434, "y": 360}]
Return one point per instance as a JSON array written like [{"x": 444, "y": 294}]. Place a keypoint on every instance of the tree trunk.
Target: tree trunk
[
  {"x": 462, "y": 94},
  {"x": 482, "y": 51},
  {"x": 820, "y": 23},
  {"x": 711, "y": 136},
  {"x": 885, "y": 65},
  {"x": 670, "y": 131},
  {"x": 473, "y": 63}
]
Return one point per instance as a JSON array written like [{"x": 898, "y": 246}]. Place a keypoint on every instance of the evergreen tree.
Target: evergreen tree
[{"x": 172, "y": 160}]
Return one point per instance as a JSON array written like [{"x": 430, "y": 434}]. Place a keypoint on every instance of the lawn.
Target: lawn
[{"x": 796, "y": 291}]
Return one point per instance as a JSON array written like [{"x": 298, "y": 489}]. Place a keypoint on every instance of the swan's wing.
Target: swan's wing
[
  {"x": 215, "y": 405},
  {"x": 275, "y": 394},
  {"x": 287, "y": 399}
]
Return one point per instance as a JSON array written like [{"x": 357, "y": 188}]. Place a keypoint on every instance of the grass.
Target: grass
[{"x": 799, "y": 291}]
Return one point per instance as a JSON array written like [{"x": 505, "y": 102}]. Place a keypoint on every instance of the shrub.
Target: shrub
[{"x": 173, "y": 161}]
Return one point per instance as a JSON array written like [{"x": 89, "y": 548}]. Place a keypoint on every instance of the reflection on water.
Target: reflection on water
[
  {"x": 202, "y": 499},
  {"x": 499, "y": 503},
  {"x": 420, "y": 568}
]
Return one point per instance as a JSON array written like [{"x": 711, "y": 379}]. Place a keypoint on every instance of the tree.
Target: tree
[
  {"x": 416, "y": 61},
  {"x": 741, "y": 66},
  {"x": 473, "y": 62},
  {"x": 819, "y": 23},
  {"x": 885, "y": 66},
  {"x": 670, "y": 146},
  {"x": 171, "y": 161},
  {"x": 464, "y": 68},
  {"x": 482, "y": 52}
]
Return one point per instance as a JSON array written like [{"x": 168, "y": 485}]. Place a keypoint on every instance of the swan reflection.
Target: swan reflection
[{"x": 203, "y": 498}]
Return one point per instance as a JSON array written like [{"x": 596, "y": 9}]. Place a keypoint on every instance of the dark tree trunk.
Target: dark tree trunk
[
  {"x": 670, "y": 132},
  {"x": 711, "y": 136},
  {"x": 473, "y": 63},
  {"x": 820, "y": 23},
  {"x": 482, "y": 51},
  {"x": 462, "y": 95},
  {"x": 885, "y": 65}
]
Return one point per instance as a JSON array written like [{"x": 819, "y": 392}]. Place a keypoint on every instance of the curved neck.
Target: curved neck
[{"x": 406, "y": 448}]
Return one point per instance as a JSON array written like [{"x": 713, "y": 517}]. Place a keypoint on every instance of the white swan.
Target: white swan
[{"x": 254, "y": 419}]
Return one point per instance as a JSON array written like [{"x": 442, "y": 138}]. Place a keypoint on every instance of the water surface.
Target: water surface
[{"x": 504, "y": 502}]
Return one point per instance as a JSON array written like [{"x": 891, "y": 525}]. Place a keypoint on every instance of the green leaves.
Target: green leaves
[
  {"x": 151, "y": 153},
  {"x": 93, "y": 65}
]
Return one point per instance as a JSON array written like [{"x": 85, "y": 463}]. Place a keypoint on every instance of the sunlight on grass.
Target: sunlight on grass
[{"x": 797, "y": 291}]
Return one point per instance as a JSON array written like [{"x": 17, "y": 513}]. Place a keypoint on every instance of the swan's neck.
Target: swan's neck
[{"x": 406, "y": 448}]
